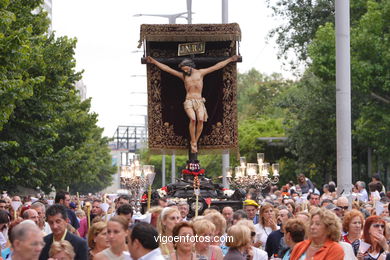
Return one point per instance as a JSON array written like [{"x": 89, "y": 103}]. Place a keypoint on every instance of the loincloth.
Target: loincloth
[{"x": 198, "y": 106}]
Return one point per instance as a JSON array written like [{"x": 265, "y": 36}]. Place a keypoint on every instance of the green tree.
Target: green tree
[
  {"x": 310, "y": 122},
  {"x": 370, "y": 43},
  {"x": 51, "y": 138},
  {"x": 257, "y": 92},
  {"x": 18, "y": 29},
  {"x": 311, "y": 106},
  {"x": 302, "y": 20}
]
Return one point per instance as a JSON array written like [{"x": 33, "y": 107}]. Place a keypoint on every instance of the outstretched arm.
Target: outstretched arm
[
  {"x": 164, "y": 67},
  {"x": 219, "y": 65}
]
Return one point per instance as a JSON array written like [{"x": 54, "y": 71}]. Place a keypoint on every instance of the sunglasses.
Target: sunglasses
[
  {"x": 378, "y": 225},
  {"x": 343, "y": 207}
]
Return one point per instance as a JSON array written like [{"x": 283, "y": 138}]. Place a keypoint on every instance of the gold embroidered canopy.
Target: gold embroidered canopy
[
  {"x": 190, "y": 32},
  {"x": 167, "y": 121}
]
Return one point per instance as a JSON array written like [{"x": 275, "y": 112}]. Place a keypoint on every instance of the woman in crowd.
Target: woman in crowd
[
  {"x": 61, "y": 250},
  {"x": 291, "y": 206},
  {"x": 266, "y": 225},
  {"x": 385, "y": 211},
  {"x": 117, "y": 232},
  {"x": 374, "y": 233},
  {"x": 72, "y": 230},
  {"x": 97, "y": 238},
  {"x": 294, "y": 232},
  {"x": 183, "y": 248},
  {"x": 5, "y": 247},
  {"x": 5, "y": 219},
  {"x": 220, "y": 226},
  {"x": 327, "y": 195},
  {"x": 353, "y": 226},
  {"x": 258, "y": 254},
  {"x": 305, "y": 185},
  {"x": 332, "y": 189},
  {"x": 324, "y": 234},
  {"x": 167, "y": 220},
  {"x": 238, "y": 215},
  {"x": 155, "y": 211},
  {"x": 240, "y": 243},
  {"x": 206, "y": 229},
  {"x": 80, "y": 214}
]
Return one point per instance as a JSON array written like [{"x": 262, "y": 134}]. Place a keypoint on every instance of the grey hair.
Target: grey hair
[
  {"x": 361, "y": 184},
  {"x": 20, "y": 231},
  {"x": 38, "y": 204},
  {"x": 183, "y": 203}
]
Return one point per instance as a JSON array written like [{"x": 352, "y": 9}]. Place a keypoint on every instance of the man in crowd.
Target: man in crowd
[
  {"x": 275, "y": 242},
  {"x": 11, "y": 210},
  {"x": 63, "y": 198},
  {"x": 16, "y": 198},
  {"x": 3, "y": 205},
  {"x": 325, "y": 203},
  {"x": 314, "y": 199},
  {"x": 96, "y": 211},
  {"x": 122, "y": 200},
  {"x": 362, "y": 195},
  {"x": 31, "y": 214},
  {"x": 57, "y": 219},
  {"x": 251, "y": 208},
  {"x": 376, "y": 178},
  {"x": 161, "y": 202},
  {"x": 125, "y": 211},
  {"x": 238, "y": 215},
  {"x": 342, "y": 204},
  {"x": 41, "y": 210},
  {"x": 227, "y": 212},
  {"x": 184, "y": 209},
  {"x": 143, "y": 244},
  {"x": 27, "y": 241}
]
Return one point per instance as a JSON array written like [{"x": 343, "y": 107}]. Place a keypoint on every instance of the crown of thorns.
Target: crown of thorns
[{"x": 187, "y": 62}]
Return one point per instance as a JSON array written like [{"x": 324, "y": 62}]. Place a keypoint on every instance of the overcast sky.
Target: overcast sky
[{"x": 108, "y": 34}]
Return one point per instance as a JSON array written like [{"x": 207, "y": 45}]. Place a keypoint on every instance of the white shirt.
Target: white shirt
[
  {"x": 259, "y": 254},
  {"x": 262, "y": 234},
  {"x": 348, "y": 251},
  {"x": 3, "y": 242},
  {"x": 153, "y": 255},
  {"x": 363, "y": 195},
  {"x": 375, "y": 196},
  {"x": 47, "y": 229}
]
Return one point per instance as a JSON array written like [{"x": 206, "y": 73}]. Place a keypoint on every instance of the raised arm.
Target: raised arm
[
  {"x": 219, "y": 65},
  {"x": 164, "y": 67}
]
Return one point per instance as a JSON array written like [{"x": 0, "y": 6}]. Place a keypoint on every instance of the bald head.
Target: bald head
[
  {"x": 22, "y": 230},
  {"x": 31, "y": 214},
  {"x": 27, "y": 241},
  {"x": 342, "y": 201},
  {"x": 227, "y": 212}
]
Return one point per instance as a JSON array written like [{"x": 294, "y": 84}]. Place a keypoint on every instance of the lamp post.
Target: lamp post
[
  {"x": 135, "y": 178},
  {"x": 253, "y": 175},
  {"x": 171, "y": 17},
  {"x": 149, "y": 175}
]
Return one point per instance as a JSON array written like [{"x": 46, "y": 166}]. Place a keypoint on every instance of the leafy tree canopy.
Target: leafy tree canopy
[{"x": 48, "y": 137}]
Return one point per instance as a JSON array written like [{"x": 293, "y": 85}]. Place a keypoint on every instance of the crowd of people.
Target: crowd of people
[{"x": 295, "y": 222}]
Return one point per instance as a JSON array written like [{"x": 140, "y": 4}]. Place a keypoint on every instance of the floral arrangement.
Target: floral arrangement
[
  {"x": 163, "y": 191},
  {"x": 228, "y": 192},
  {"x": 195, "y": 173}
]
